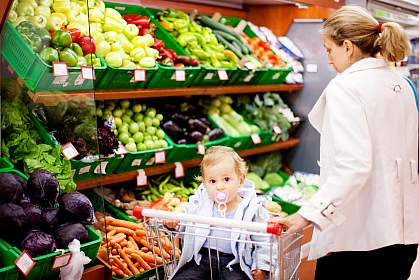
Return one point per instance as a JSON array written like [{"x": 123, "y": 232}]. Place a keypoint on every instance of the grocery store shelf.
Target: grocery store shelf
[
  {"x": 54, "y": 97},
  {"x": 165, "y": 168}
]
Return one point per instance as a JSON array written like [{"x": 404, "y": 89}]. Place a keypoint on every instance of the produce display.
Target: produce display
[
  {"x": 268, "y": 111},
  {"x": 35, "y": 217},
  {"x": 128, "y": 251},
  {"x": 233, "y": 124},
  {"x": 187, "y": 124},
  {"x": 264, "y": 53},
  {"x": 200, "y": 42},
  {"x": 136, "y": 126},
  {"x": 21, "y": 142}
]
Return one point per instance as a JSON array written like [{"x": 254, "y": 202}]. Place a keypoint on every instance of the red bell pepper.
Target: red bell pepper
[
  {"x": 140, "y": 21},
  {"x": 144, "y": 31},
  {"x": 158, "y": 44},
  {"x": 87, "y": 44},
  {"x": 179, "y": 65},
  {"x": 172, "y": 52},
  {"x": 75, "y": 34}
]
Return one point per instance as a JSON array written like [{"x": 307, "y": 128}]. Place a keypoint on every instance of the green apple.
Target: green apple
[
  {"x": 154, "y": 138},
  {"x": 124, "y": 138},
  {"x": 126, "y": 119},
  {"x": 111, "y": 104},
  {"x": 159, "y": 117},
  {"x": 129, "y": 113},
  {"x": 131, "y": 140},
  {"x": 131, "y": 147},
  {"x": 142, "y": 126},
  {"x": 99, "y": 112},
  {"x": 147, "y": 137},
  {"x": 148, "y": 121},
  {"x": 137, "y": 108},
  {"x": 139, "y": 117},
  {"x": 163, "y": 144},
  {"x": 141, "y": 147},
  {"x": 138, "y": 137},
  {"x": 151, "y": 112},
  {"x": 156, "y": 122},
  {"x": 160, "y": 133},
  {"x": 107, "y": 115},
  {"x": 144, "y": 107},
  {"x": 151, "y": 130},
  {"x": 124, "y": 128},
  {"x": 125, "y": 104},
  {"x": 117, "y": 113},
  {"x": 134, "y": 128},
  {"x": 117, "y": 121},
  {"x": 149, "y": 144}
]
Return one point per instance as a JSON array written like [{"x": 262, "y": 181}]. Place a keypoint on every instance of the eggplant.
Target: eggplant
[
  {"x": 205, "y": 121},
  {"x": 197, "y": 125},
  {"x": 215, "y": 134},
  {"x": 182, "y": 141},
  {"x": 196, "y": 136},
  {"x": 172, "y": 129},
  {"x": 180, "y": 119}
]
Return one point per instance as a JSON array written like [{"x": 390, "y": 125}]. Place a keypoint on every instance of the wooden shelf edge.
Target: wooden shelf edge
[
  {"x": 56, "y": 97},
  {"x": 165, "y": 168}
]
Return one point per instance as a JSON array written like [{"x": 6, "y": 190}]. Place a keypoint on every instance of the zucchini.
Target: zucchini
[
  {"x": 216, "y": 25},
  {"x": 238, "y": 44},
  {"x": 229, "y": 46},
  {"x": 228, "y": 129},
  {"x": 241, "y": 126},
  {"x": 226, "y": 35}
]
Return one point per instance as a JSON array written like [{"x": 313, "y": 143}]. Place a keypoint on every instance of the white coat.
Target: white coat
[{"x": 369, "y": 192}]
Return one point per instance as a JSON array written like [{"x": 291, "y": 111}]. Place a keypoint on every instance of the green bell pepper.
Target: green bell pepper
[
  {"x": 69, "y": 56},
  {"x": 61, "y": 39},
  {"x": 76, "y": 48},
  {"x": 186, "y": 38},
  {"x": 49, "y": 55}
]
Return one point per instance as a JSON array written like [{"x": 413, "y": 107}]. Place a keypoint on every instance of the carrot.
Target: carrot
[
  {"x": 150, "y": 258},
  {"x": 114, "y": 252},
  {"x": 143, "y": 242},
  {"x": 144, "y": 249},
  {"x": 129, "y": 244},
  {"x": 141, "y": 270},
  {"x": 117, "y": 246},
  {"x": 134, "y": 244},
  {"x": 118, "y": 271},
  {"x": 140, "y": 232},
  {"x": 120, "y": 264},
  {"x": 126, "y": 224},
  {"x": 118, "y": 238},
  {"x": 128, "y": 262},
  {"x": 124, "y": 243},
  {"x": 111, "y": 233},
  {"x": 124, "y": 230},
  {"x": 141, "y": 261}
]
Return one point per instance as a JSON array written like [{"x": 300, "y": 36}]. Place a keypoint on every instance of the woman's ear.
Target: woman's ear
[{"x": 349, "y": 47}]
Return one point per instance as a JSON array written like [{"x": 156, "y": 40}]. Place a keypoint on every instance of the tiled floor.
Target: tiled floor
[{"x": 415, "y": 270}]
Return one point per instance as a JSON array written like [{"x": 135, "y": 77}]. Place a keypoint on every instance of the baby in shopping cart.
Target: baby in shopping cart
[{"x": 213, "y": 253}]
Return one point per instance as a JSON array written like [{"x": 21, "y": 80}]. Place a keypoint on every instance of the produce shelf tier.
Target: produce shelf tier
[
  {"x": 161, "y": 169},
  {"x": 56, "y": 97}
]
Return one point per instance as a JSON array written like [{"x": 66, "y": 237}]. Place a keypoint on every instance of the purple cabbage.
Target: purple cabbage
[
  {"x": 38, "y": 243},
  {"x": 77, "y": 208},
  {"x": 11, "y": 188},
  {"x": 70, "y": 231},
  {"x": 43, "y": 188}
]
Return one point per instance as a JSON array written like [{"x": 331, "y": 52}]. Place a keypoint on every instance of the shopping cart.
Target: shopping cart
[{"x": 283, "y": 250}]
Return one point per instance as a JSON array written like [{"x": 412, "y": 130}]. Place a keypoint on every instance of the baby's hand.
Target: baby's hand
[
  {"x": 171, "y": 224},
  {"x": 258, "y": 274}
]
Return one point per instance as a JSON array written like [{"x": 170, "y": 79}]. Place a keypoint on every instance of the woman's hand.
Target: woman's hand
[
  {"x": 171, "y": 224},
  {"x": 293, "y": 223},
  {"x": 258, "y": 274}
]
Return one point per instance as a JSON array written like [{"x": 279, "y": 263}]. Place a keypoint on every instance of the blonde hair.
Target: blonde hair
[
  {"x": 217, "y": 153},
  {"x": 358, "y": 26}
]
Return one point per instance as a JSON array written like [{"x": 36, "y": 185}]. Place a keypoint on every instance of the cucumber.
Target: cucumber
[
  {"x": 238, "y": 44},
  {"x": 241, "y": 126},
  {"x": 226, "y": 35},
  {"x": 216, "y": 25},
  {"x": 228, "y": 129},
  {"x": 228, "y": 45}
]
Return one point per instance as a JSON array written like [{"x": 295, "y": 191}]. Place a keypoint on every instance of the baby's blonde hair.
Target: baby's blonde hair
[
  {"x": 355, "y": 24},
  {"x": 216, "y": 153}
]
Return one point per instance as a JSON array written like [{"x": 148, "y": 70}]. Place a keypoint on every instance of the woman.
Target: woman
[{"x": 366, "y": 213}]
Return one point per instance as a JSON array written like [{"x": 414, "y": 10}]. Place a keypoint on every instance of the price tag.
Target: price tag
[
  {"x": 222, "y": 74},
  {"x": 241, "y": 26},
  {"x": 160, "y": 157},
  {"x": 209, "y": 76},
  {"x": 88, "y": 73},
  {"x": 136, "y": 162},
  {"x": 61, "y": 261},
  {"x": 276, "y": 76},
  {"x": 59, "y": 69},
  {"x": 69, "y": 151},
  {"x": 201, "y": 148},
  {"x": 24, "y": 263},
  {"x": 101, "y": 168},
  {"x": 179, "y": 170},
  {"x": 248, "y": 77},
  {"x": 151, "y": 161},
  {"x": 121, "y": 150},
  {"x": 180, "y": 75},
  {"x": 139, "y": 75},
  {"x": 256, "y": 138},
  {"x": 84, "y": 170},
  {"x": 277, "y": 129},
  {"x": 141, "y": 178}
]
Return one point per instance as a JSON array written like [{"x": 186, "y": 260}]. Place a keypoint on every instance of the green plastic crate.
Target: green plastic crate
[
  {"x": 248, "y": 77},
  {"x": 82, "y": 170},
  {"x": 270, "y": 75},
  {"x": 287, "y": 207},
  {"x": 37, "y": 74},
  {"x": 42, "y": 269},
  {"x": 7, "y": 257},
  {"x": 142, "y": 159},
  {"x": 5, "y": 164}
]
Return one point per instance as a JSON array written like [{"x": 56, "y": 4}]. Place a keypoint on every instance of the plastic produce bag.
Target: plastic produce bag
[{"x": 74, "y": 270}]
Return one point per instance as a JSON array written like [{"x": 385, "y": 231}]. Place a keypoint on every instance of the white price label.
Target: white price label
[
  {"x": 276, "y": 76},
  {"x": 121, "y": 150},
  {"x": 248, "y": 78},
  {"x": 311, "y": 68},
  {"x": 139, "y": 75},
  {"x": 180, "y": 75},
  {"x": 141, "y": 178},
  {"x": 136, "y": 162},
  {"x": 277, "y": 129},
  {"x": 61, "y": 261},
  {"x": 101, "y": 168},
  {"x": 160, "y": 157},
  {"x": 241, "y": 26},
  {"x": 222, "y": 74},
  {"x": 69, "y": 151},
  {"x": 201, "y": 148},
  {"x": 84, "y": 170},
  {"x": 256, "y": 138},
  {"x": 59, "y": 69},
  {"x": 209, "y": 76},
  {"x": 151, "y": 161},
  {"x": 179, "y": 170},
  {"x": 24, "y": 263},
  {"x": 88, "y": 73}
]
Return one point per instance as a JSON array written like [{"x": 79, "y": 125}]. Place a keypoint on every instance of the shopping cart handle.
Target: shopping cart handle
[
  {"x": 274, "y": 228},
  {"x": 137, "y": 211}
]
